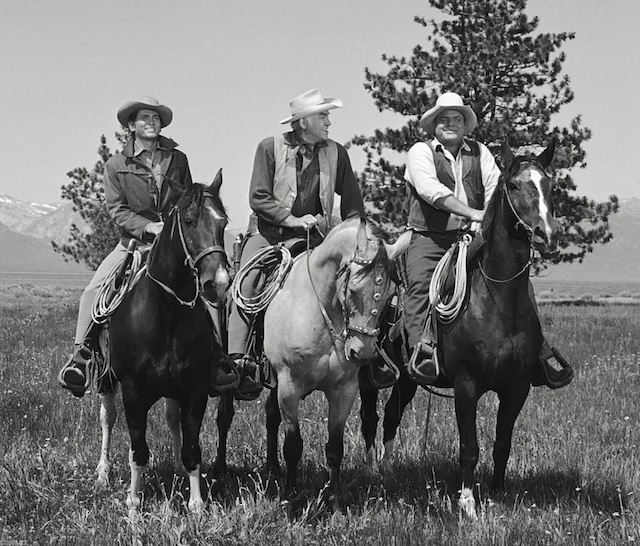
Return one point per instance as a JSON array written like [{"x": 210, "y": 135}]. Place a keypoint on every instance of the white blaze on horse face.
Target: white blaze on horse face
[{"x": 536, "y": 178}]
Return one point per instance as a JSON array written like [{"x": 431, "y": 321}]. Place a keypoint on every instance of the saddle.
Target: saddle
[
  {"x": 121, "y": 280},
  {"x": 445, "y": 288}
]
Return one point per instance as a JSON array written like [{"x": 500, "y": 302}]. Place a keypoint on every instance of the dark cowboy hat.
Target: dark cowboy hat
[{"x": 129, "y": 107}]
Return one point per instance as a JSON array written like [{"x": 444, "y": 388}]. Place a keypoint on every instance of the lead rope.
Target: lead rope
[{"x": 447, "y": 312}]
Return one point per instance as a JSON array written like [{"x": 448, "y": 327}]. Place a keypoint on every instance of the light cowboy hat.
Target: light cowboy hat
[
  {"x": 149, "y": 103},
  {"x": 310, "y": 103},
  {"x": 449, "y": 101}
]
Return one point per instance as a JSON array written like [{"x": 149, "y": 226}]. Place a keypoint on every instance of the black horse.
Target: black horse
[
  {"x": 494, "y": 343},
  {"x": 161, "y": 342}
]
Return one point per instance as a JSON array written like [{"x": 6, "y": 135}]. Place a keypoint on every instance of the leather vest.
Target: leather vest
[
  {"x": 424, "y": 217},
  {"x": 285, "y": 178}
]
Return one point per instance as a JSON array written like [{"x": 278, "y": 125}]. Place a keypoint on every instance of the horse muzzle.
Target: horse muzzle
[
  {"x": 215, "y": 286},
  {"x": 359, "y": 347}
]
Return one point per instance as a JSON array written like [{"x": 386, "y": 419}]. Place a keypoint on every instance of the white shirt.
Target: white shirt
[{"x": 421, "y": 174}]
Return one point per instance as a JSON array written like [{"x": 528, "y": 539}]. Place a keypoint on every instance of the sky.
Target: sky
[{"x": 228, "y": 68}]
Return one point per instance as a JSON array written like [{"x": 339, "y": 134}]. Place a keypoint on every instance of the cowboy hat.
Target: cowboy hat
[
  {"x": 449, "y": 101},
  {"x": 309, "y": 103},
  {"x": 129, "y": 107}
]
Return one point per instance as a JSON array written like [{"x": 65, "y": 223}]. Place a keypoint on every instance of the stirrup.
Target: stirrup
[
  {"x": 78, "y": 363},
  {"x": 250, "y": 385},
  {"x": 383, "y": 373},
  {"x": 423, "y": 366},
  {"x": 561, "y": 378}
]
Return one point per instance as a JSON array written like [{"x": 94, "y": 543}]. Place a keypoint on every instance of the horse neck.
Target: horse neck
[
  {"x": 505, "y": 255},
  {"x": 324, "y": 263}
]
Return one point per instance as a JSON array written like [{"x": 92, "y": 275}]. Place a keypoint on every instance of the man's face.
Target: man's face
[
  {"x": 146, "y": 125},
  {"x": 450, "y": 127},
  {"x": 315, "y": 128}
]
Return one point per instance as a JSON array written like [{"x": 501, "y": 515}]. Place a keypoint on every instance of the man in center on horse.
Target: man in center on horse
[
  {"x": 450, "y": 179},
  {"x": 141, "y": 184},
  {"x": 295, "y": 177}
]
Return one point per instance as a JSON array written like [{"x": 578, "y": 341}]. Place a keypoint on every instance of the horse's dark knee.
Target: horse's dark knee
[
  {"x": 292, "y": 448},
  {"x": 140, "y": 455},
  {"x": 191, "y": 456},
  {"x": 369, "y": 416},
  {"x": 334, "y": 450}
]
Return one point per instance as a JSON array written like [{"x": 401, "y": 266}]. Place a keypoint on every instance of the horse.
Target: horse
[
  {"x": 319, "y": 328},
  {"x": 494, "y": 343},
  {"x": 160, "y": 338}
]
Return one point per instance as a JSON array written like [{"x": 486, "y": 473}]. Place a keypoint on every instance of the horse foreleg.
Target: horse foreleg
[
  {"x": 289, "y": 402},
  {"x": 511, "y": 402},
  {"x": 224, "y": 418},
  {"x": 368, "y": 415},
  {"x": 108, "y": 416},
  {"x": 172, "y": 415},
  {"x": 191, "y": 415},
  {"x": 136, "y": 413},
  {"x": 340, "y": 403},
  {"x": 403, "y": 392},
  {"x": 466, "y": 404},
  {"x": 273, "y": 420}
]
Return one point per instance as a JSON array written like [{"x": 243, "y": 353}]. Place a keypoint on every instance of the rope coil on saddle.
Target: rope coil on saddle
[
  {"x": 276, "y": 260},
  {"x": 109, "y": 297},
  {"x": 447, "y": 311}
]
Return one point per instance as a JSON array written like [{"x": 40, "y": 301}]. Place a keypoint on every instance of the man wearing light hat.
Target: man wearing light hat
[
  {"x": 141, "y": 185},
  {"x": 295, "y": 178},
  {"x": 450, "y": 179}
]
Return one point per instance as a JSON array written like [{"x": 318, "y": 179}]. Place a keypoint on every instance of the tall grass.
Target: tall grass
[{"x": 571, "y": 479}]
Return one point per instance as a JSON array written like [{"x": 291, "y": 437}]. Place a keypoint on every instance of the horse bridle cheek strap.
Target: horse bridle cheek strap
[
  {"x": 189, "y": 262},
  {"x": 377, "y": 297}
]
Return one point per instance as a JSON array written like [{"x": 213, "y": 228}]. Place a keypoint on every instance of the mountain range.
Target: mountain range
[{"x": 27, "y": 229}]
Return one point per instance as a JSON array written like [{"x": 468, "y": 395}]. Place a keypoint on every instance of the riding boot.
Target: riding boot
[
  {"x": 224, "y": 376},
  {"x": 74, "y": 374},
  {"x": 423, "y": 365},
  {"x": 250, "y": 385},
  {"x": 554, "y": 371}
]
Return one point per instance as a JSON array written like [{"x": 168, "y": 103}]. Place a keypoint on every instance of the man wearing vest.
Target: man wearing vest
[
  {"x": 450, "y": 179},
  {"x": 295, "y": 178}
]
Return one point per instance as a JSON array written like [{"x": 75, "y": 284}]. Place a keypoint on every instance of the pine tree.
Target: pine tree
[
  {"x": 488, "y": 51},
  {"x": 91, "y": 241}
]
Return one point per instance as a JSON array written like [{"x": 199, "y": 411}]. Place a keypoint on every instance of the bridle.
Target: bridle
[
  {"x": 189, "y": 261},
  {"x": 349, "y": 326},
  {"x": 529, "y": 234}
]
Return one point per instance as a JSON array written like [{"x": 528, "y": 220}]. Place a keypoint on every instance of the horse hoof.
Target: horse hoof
[{"x": 468, "y": 504}]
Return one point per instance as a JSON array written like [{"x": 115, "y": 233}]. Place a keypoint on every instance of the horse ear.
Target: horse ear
[
  {"x": 546, "y": 157},
  {"x": 217, "y": 182},
  {"x": 506, "y": 154},
  {"x": 362, "y": 237},
  {"x": 397, "y": 248}
]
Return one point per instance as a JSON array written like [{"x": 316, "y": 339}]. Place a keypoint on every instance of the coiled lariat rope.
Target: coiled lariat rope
[
  {"x": 109, "y": 297},
  {"x": 275, "y": 261},
  {"x": 447, "y": 311}
]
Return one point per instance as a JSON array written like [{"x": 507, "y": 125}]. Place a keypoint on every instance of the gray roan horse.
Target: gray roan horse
[
  {"x": 318, "y": 330},
  {"x": 495, "y": 341},
  {"x": 160, "y": 339}
]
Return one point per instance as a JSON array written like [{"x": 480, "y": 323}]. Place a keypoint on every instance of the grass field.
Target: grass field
[{"x": 572, "y": 477}]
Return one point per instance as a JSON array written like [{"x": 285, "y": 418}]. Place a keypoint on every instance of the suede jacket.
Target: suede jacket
[{"x": 132, "y": 195}]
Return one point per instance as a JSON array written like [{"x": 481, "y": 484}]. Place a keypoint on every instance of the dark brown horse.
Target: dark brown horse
[
  {"x": 495, "y": 342},
  {"x": 161, "y": 342}
]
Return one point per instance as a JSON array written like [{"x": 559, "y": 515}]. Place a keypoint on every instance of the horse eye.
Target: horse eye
[{"x": 188, "y": 221}]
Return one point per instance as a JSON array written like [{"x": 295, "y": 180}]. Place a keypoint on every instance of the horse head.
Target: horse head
[
  {"x": 527, "y": 189},
  {"x": 366, "y": 288},
  {"x": 201, "y": 220}
]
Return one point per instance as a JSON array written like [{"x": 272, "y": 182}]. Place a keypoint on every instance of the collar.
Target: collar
[
  {"x": 292, "y": 140},
  {"x": 438, "y": 146},
  {"x": 133, "y": 149}
]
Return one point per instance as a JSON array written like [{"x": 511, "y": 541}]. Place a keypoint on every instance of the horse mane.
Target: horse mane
[{"x": 195, "y": 195}]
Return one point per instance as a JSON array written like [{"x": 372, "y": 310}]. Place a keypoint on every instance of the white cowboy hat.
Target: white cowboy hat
[
  {"x": 129, "y": 107},
  {"x": 449, "y": 101},
  {"x": 309, "y": 103}
]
